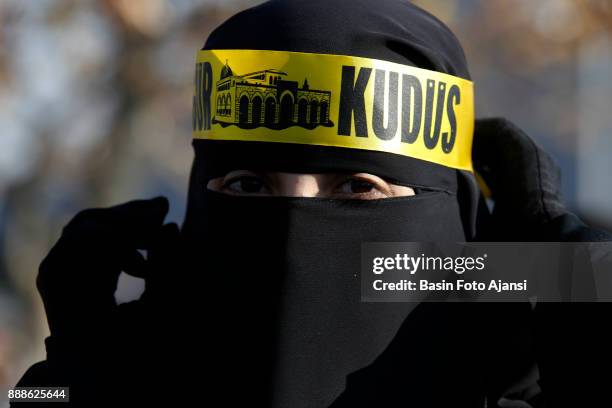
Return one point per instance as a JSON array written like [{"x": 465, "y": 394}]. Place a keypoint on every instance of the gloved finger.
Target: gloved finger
[
  {"x": 134, "y": 264},
  {"x": 77, "y": 283},
  {"x": 501, "y": 149},
  {"x": 166, "y": 242},
  {"x": 164, "y": 260},
  {"x": 523, "y": 178},
  {"x": 78, "y": 278},
  {"x": 99, "y": 239},
  {"x": 134, "y": 223}
]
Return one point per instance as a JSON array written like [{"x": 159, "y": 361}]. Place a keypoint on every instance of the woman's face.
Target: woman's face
[{"x": 360, "y": 186}]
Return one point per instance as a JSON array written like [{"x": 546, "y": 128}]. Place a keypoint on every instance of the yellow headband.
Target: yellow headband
[{"x": 334, "y": 100}]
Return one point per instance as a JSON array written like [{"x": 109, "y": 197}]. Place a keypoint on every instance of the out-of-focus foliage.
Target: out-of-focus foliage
[{"x": 95, "y": 105}]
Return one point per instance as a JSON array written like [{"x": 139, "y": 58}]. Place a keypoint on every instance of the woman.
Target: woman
[{"x": 303, "y": 151}]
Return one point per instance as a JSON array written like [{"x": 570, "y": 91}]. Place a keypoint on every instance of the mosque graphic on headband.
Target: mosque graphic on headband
[{"x": 267, "y": 98}]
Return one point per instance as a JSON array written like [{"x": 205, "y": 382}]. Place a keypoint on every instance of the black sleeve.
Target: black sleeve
[
  {"x": 96, "y": 369},
  {"x": 38, "y": 375},
  {"x": 569, "y": 228},
  {"x": 574, "y": 344}
]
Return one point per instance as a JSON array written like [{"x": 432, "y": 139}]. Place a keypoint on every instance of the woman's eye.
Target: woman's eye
[
  {"x": 245, "y": 185},
  {"x": 362, "y": 188}
]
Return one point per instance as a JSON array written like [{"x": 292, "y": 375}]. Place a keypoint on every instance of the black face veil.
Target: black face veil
[{"x": 281, "y": 275}]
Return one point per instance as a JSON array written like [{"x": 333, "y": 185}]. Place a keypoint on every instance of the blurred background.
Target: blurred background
[{"x": 95, "y": 109}]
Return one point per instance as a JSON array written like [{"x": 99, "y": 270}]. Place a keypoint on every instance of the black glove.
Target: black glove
[
  {"x": 523, "y": 178},
  {"x": 525, "y": 185},
  {"x": 572, "y": 340},
  {"x": 102, "y": 350}
]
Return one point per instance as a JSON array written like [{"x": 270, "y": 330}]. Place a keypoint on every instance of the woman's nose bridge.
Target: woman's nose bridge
[{"x": 299, "y": 185}]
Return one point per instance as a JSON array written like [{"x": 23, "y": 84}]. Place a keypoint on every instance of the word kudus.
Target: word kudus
[{"x": 406, "y": 109}]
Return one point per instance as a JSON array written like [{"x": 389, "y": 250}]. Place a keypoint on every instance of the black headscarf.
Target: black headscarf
[
  {"x": 281, "y": 275},
  {"x": 391, "y": 30}
]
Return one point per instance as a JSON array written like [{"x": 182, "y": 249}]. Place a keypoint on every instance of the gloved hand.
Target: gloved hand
[
  {"x": 78, "y": 278},
  {"x": 95, "y": 344},
  {"x": 523, "y": 178},
  {"x": 525, "y": 185},
  {"x": 571, "y": 339}
]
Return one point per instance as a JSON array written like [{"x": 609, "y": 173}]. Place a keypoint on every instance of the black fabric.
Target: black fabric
[
  {"x": 308, "y": 248},
  {"x": 274, "y": 280},
  {"x": 298, "y": 259},
  {"x": 526, "y": 178},
  {"x": 256, "y": 301},
  {"x": 96, "y": 345},
  {"x": 571, "y": 341},
  {"x": 292, "y": 331},
  {"x": 217, "y": 158},
  {"x": 292, "y": 264},
  {"x": 391, "y": 30},
  {"x": 443, "y": 354}
]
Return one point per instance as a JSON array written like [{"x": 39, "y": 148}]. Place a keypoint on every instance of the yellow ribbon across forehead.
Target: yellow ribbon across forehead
[{"x": 334, "y": 100}]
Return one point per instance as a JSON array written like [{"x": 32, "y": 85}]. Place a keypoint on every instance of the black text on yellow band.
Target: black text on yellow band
[{"x": 334, "y": 100}]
